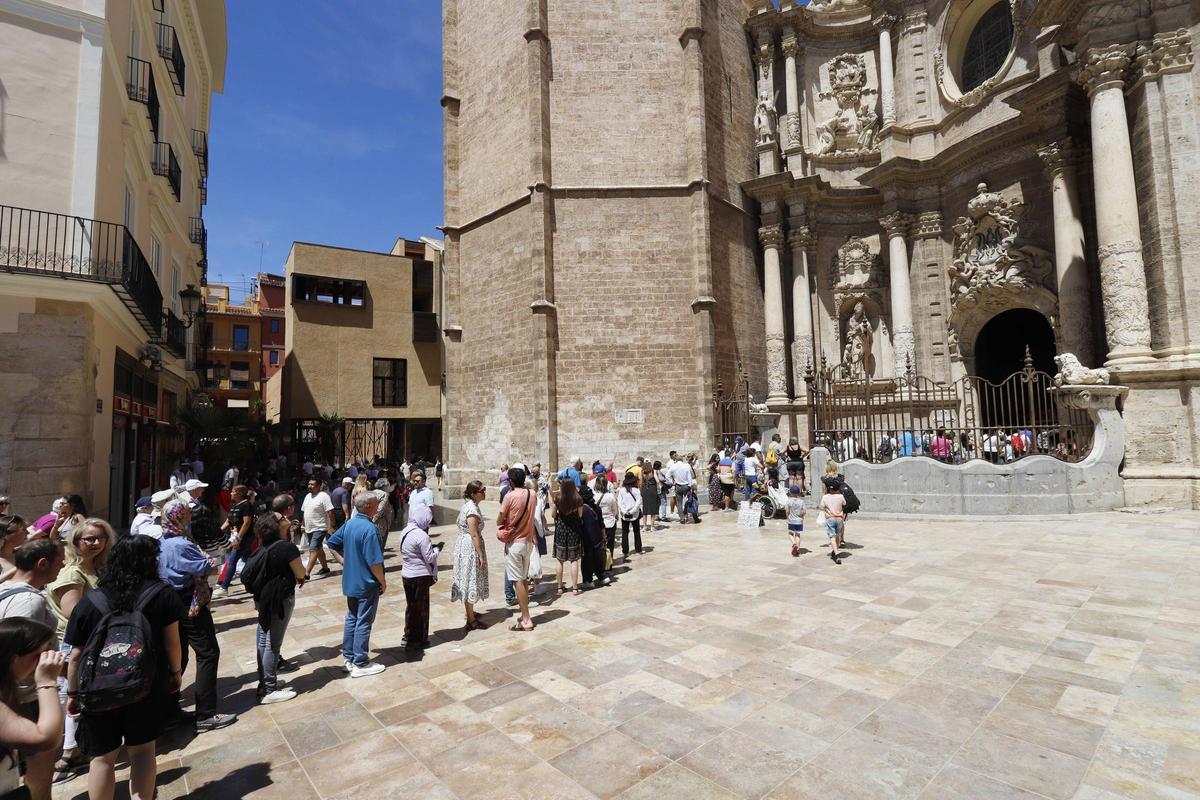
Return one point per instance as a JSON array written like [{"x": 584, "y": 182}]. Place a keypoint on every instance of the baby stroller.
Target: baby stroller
[{"x": 771, "y": 498}]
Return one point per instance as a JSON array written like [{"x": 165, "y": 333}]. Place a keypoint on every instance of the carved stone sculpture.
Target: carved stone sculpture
[
  {"x": 855, "y": 266},
  {"x": 986, "y": 255},
  {"x": 758, "y": 408},
  {"x": 854, "y": 125},
  {"x": 857, "y": 352},
  {"x": 765, "y": 118},
  {"x": 1072, "y": 373},
  {"x": 835, "y": 5}
]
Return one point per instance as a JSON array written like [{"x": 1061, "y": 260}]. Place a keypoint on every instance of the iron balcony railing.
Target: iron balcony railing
[
  {"x": 199, "y": 235},
  {"x": 164, "y": 163},
  {"x": 202, "y": 185},
  {"x": 174, "y": 334},
  {"x": 169, "y": 49},
  {"x": 139, "y": 85},
  {"x": 200, "y": 148},
  {"x": 46, "y": 243}
]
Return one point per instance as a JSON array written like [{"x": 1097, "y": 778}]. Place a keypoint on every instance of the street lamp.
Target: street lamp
[{"x": 189, "y": 300}]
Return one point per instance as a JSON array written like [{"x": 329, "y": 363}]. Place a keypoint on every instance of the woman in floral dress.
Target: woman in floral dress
[{"x": 470, "y": 557}]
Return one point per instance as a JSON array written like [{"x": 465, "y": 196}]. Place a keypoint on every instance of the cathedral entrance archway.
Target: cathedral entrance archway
[{"x": 1000, "y": 345}]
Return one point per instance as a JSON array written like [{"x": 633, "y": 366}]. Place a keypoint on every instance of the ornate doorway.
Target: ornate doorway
[{"x": 1000, "y": 345}]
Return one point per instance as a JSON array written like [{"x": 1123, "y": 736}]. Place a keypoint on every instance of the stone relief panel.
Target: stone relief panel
[
  {"x": 824, "y": 6},
  {"x": 858, "y": 307},
  {"x": 852, "y": 129},
  {"x": 991, "y": 272}
]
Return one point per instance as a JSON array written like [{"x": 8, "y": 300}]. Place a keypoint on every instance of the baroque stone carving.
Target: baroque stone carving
[
  {"x": 765, "y": 57},
  {"x": 856, "y": 353},
  {"x": 1126, "y": 308},
  {"x": 974, "y": 97},
  {"x": 1103, "y": 68},
  {"x": 765, "y": 119},
  {"x": 758, "y": 408},
  {"x": 1057, "y": 156},
  {"x": 835, "y": 5},
  {"x": 770, "y": 235},
  {"x": 792, "y": 120},
  {"x": 1072, "y": 373},
  {"x": 1165, "y": 53},
  {"x": 855, "y": 266},
  {"x": 986, "y": 255},
  {"x": 852, "y": 129},
  {"x": 928, "y": 224},
  {"x": 776, "y": 364}
]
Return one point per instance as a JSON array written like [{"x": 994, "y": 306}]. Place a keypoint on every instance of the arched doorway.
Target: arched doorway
[
  {"x": 1000, "y": 354},
  {"x": 1000, "y": 346}
]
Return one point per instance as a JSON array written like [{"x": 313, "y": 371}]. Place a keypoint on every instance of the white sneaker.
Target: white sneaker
[
  {"x": 534, "y": 604},
  {"x": 218, "y": 592},
  {"x": 607, "y": 580},
  {"x": 278, "y": 696},
  {"x": 367, "y": 670},
  {"x": 348, "y": 665}
]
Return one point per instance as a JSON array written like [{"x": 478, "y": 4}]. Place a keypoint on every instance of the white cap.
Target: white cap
[
  {"x": 348, "y": 480},
  {"x": 193, "y": 485},
  {"x": 521, "y": 467}
]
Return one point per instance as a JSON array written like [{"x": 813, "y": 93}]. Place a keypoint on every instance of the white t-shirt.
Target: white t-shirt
[
  {"x": 750, "y": 466},
  {"x": 608, "y": 508},
  {"x": 421, "y": 497},
  {"x": 681, "y": 474},
  {"x": 316, "y": 508},
  {"x": 22, "y": 600},
  {"x": 795, "y": 510}
]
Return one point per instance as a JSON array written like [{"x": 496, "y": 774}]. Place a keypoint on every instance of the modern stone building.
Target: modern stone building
[
  {"x": 232, "y": 366},
  {"x": 653, "y": 197},
  {"x": 104, "y": 113},
  {"x": 363, "y": 346}
]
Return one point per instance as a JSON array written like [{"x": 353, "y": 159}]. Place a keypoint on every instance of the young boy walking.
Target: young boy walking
[{"x": 795, "y": 517}]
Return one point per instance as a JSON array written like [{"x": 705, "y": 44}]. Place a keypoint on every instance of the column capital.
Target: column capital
[
  {"x": 790, "y": 45},
  {"x": 1058, "y": 156},
  {"x": 895, "y": 224},
  {"x": 884, "y": 22},
  {"x": 1164, "y": 54},
  {"x": 771, "y": 236},
  {"x": 927, "y": 225},
  {"x": 1104, "y": 68},
  {"x": 801, "y": 237}
]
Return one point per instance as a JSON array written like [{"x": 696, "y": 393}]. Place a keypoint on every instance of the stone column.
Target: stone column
[
  {"x": 887, "y": 85},
  {"x": 801, "y": 239},
  {"x": 1118, "y": 234},
  {"x": 1070, "y": 265},
  {"x": 771, "y": 237},
  {"x": 896, "y": 227},
  {"x": 791, "y": 48}
]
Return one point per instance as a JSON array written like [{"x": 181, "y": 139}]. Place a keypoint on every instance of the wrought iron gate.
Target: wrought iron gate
[{"x": 731, "y": 412}]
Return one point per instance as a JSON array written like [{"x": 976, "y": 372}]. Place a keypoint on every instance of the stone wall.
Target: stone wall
[{"x": 47, "y": 403}]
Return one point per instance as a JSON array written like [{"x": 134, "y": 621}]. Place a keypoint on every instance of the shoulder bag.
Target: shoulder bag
[{"x": 506, "y": 533}]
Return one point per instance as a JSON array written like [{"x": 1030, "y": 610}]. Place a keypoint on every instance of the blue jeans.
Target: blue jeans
[
  {"x": 664, "y": 502},
  {"x": 242, "y": 553},
  {"x": 356, "y": 635},
  {"x": 269, "y": 643}
]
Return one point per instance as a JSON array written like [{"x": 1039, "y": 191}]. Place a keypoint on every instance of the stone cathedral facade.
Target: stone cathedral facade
[{"x": 644, "y": 200}]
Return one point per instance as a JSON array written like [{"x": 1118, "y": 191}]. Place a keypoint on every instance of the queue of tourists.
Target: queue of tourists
[{"x": 97, "y": 626}]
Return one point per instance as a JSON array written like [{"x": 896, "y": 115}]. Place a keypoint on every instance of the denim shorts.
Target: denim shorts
[
  {"x": 833, "y": 527},
  {"x": 316, "y": 539}
]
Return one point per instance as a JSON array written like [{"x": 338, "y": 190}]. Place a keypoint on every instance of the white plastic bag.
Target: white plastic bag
[
  {"x": 535, "y": 566},
  {"x": 820, "y": 519}
]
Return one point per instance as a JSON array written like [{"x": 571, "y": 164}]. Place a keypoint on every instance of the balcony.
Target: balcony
[
  {"x": 139, "y": 85},
  {"x": 169, "y": 49},
  {"x": 174, "y": 335},
  {"x": 199, "y": 235},
  {"x": 202, "y": 185},
  {"x": 200, "y": 148},
  {"x": 74, "y": 248},
  {"x": 164, "y": 163},
  {"x": 425, "y": 326}
]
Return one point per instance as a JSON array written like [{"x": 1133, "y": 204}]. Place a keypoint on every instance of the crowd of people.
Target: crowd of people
[
  {"x": 995, "y": 445},
  {"x": 97, "y": 626}
]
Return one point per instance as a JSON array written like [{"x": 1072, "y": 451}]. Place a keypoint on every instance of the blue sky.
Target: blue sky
[{"x": 329, "y": 130}]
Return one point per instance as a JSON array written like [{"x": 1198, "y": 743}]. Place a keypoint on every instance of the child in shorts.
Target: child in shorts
[{"x": 795, "y": 512}]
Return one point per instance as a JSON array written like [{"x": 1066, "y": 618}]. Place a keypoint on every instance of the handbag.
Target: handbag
[
  {"x": 607, "y": 560},
  {"x": 820, "y": 519},
  {"x": 506, "y": 533}
]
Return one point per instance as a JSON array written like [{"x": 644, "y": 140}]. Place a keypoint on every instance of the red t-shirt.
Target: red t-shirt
[{"x": 519, "y": 504}]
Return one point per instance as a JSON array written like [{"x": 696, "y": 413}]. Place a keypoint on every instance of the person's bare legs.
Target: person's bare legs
[
  {"x": 558, "y": 575},
  {"x": 102, "y": 776},
  {"x": 523, "y": 603},
  {"x": 39, "y": 771},
  {"x": 142, "y": 771},
  {"x": 470, "y": 612},
  {"x": 313, "y": 557},
  {"x": 575, "y": 576}
]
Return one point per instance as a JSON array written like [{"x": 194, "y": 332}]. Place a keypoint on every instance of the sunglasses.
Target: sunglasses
[{"x": 92, "y": 539}]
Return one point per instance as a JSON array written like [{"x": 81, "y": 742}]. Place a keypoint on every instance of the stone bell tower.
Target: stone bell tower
[{"x": 600, "y": 255}]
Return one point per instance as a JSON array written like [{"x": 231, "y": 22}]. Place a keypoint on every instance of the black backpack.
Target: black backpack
[
  {"x": 852, "y": 502},
  {"x": 254, "y": 573},
  {"x": 118, "y": 664}
]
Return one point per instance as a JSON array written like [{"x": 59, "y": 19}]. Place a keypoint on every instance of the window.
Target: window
[
  {"x": 156, "y": 257},
  {"x": 390, "y": 382},
  {"x": 239, "y": 375},
  {"x": 422, "y": 292},
  {"x": 328, "y": 291},
  {"x": 208, "y": 336},
  {"x": 274, "y": 358},
  {"x": 274, "y": 326},
  {"x": 987, "y": 47},
  {"x": 175, "y": 287},
  {"x": 241, "y": 338}
]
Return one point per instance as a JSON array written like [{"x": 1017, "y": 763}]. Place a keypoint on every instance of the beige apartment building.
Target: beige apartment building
[
  {"x": 362, "y": 343},
  {"x": 104, "y": 113}
]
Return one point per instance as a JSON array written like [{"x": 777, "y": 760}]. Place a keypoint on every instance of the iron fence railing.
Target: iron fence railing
[
  {"x": 172, "y": 53},
  {"x": 879, "y": 420},
  {"x": 164, "y": 163},
  {"x": 198, "y": 235},
  {"x": 200, "y": 149},
  {"x": 46, "y": 243},
  {"x": 174, "y": 334},
  {"x": 139, "y": 85}
]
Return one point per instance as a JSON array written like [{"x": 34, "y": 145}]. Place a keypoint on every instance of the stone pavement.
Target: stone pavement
[{"x": 946, "y": 658}]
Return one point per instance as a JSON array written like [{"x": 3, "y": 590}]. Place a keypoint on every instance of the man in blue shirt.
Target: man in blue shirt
[
  {"x": 573, "y": 472},
  {"x": 357, "y": 543}
]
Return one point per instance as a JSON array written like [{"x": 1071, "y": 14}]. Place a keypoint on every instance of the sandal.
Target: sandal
[
  {"x": 577, "y": 590},
  {"x": 476, "y": 625},
  {"x": 521, "y": 628},
  {"x": 67, "y": 768}
]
